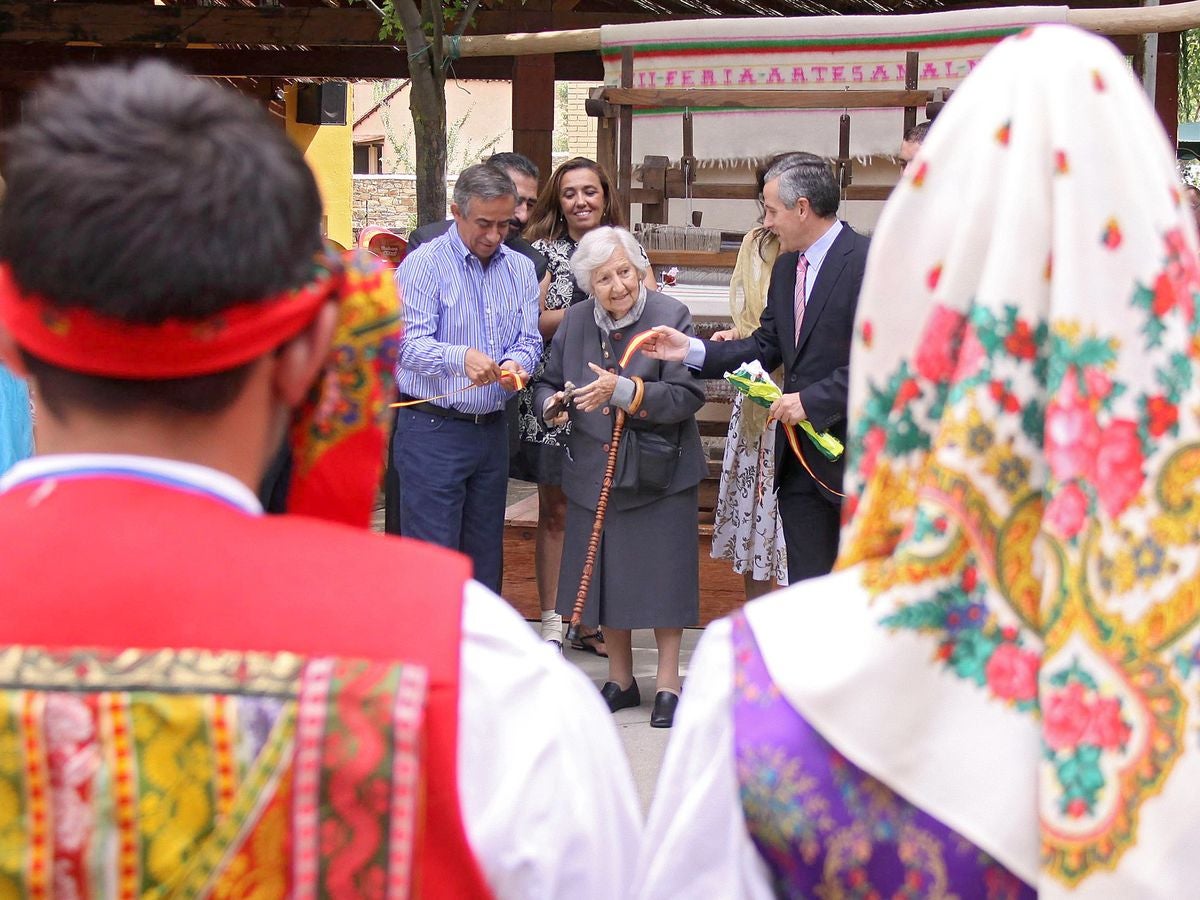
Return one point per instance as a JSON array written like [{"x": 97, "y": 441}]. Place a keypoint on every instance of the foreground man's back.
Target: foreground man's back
[{"x": 197, "y": 699}]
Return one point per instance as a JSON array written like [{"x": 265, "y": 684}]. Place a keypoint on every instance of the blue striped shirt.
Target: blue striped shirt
[{"x": 453, "y": 303}]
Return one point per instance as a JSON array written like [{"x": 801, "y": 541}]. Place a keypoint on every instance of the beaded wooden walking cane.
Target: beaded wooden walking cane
[{"x": 589, "y": 561}]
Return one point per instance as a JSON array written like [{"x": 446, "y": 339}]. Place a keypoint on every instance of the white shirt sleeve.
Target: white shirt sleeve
[
  {"x": 547, "y": 795},
  {"x": 696, "y": 843}
]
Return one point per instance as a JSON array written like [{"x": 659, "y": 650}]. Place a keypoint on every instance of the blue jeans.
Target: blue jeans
[{"x": 453, "y": 486}]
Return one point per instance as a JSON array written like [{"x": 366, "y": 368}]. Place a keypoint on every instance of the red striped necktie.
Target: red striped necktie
[{"x": 801, "y": 299}]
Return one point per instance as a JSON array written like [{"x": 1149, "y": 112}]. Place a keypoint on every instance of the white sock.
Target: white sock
[{"x": 551, "y": 626}]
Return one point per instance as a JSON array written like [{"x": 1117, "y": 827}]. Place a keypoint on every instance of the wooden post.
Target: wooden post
[
  {"x": 845, "y": 176},
  {"x": 533, "y": 109},
  {"x": 911, "y": 62},
  {"x": 1166, "y": 84},
  {"x": 625, "y": 161},
  {"x": 1166, "y": 78},
  {"x": 606, "y": 135},
  {"x": 654, "y": 178}
]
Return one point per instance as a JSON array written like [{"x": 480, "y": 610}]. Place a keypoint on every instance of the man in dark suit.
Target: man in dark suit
[{"x": 806, "y": 327}]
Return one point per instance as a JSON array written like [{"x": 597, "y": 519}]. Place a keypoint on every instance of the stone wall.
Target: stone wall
[{"x": 389, "y": 201}]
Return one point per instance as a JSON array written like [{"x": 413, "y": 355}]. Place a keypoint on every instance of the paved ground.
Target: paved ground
[{"x": 644, "y": 745}]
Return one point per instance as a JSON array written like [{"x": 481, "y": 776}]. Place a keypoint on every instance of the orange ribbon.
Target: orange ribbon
[
  {"x": 515, "y": 376},
  {"x": 634, "y": 345},
  {"x": 794, "y": 442}
]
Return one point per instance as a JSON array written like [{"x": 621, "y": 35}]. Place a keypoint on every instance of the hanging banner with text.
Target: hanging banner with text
[{"x": 816, "y": 53}]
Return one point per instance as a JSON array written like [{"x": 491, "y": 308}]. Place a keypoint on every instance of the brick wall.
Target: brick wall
[
  {"x": 581, "y": 128},
  {"x": 389, "y": 201}
]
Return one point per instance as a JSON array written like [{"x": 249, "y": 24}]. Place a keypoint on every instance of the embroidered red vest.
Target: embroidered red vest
[{"x": 195, "y": 701}]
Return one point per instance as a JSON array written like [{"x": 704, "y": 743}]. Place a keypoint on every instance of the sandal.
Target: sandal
[{"x": 591, "y": 643}]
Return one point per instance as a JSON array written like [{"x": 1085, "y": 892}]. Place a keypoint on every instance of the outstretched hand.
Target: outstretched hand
[
  {"x": 666, "y": 343},
  {"x": 593, "y": 396}
]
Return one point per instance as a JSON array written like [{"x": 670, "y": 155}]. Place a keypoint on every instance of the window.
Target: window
[{"x": 368, "y": 158}]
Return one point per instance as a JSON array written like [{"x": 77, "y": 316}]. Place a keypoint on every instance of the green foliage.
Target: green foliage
[
  {"x": 391, "y": 25},
  {"x": 461, "y": 151}
]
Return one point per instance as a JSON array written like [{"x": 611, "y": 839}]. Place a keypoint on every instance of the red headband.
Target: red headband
[{"x": 83, "y": 341}]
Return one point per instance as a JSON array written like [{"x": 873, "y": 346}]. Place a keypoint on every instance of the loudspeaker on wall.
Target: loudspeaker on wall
[{"x": 321, "y": 104}]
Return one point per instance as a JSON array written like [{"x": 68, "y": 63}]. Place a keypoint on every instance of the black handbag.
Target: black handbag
[{"x": 645, "y": 462}]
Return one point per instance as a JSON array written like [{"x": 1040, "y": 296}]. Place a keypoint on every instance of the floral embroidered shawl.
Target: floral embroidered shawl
[
  {"x": 338, "y": 435},
  {"x": 1024, "y": 662}
]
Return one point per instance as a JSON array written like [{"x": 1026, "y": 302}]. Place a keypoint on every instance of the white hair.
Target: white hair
[{"x": 598, "y": 246}]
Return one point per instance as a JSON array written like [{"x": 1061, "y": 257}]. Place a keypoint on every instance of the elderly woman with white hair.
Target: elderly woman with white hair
[{"x": 646, "y": 568}]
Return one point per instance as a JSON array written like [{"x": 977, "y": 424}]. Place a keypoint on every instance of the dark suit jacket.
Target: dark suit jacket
[
  {"x": 816, "y": 366},
  {"x": 427, "y": 233},
  {"x": 672, "y": 398}
]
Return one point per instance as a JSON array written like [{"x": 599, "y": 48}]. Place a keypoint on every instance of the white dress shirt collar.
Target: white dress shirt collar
[{"x": 171, "y": 473}]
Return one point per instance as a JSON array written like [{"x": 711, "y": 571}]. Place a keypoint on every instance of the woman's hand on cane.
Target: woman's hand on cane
[{"x": 563, "y": 416}]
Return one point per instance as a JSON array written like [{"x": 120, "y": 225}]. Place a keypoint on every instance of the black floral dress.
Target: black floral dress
[{"x": 539, "y": 457}]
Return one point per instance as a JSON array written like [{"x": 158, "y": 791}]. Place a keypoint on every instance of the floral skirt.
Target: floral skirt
[{"x": 747, "y": 531}]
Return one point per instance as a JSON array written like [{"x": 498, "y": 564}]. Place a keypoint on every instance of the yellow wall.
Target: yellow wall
[{"x": 329, "y": 151}]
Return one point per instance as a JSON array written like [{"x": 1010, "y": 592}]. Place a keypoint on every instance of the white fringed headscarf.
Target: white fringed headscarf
[{"x": 1014, "y": 642}]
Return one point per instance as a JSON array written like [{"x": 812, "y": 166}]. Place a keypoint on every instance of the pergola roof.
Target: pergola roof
[{"x": 337, "y": 39}]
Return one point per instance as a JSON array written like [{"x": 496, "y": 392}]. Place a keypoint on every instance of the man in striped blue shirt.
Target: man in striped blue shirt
[{"x": 470, "y": 313}]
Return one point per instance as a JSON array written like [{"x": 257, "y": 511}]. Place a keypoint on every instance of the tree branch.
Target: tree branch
[
  {"x": 414, "y": 33},
  {"x": 466, "y": 18},
  {"x": 435, "y": 19}
]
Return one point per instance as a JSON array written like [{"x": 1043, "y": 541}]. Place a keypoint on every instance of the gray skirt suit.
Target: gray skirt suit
[{"x": 647, "y": 566}]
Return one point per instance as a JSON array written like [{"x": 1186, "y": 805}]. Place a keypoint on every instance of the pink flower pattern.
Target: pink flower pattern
[
  {"x": 938, "y": 353},
  {"x": 1067, "y": 511},
  {"x": 1072, "y": 433},
  {"x": 1012, "y": 673},
  {"x": 1119, "y": 474}
]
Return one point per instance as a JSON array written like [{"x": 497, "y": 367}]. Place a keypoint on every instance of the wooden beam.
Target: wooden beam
[
  {"x": 708, "y": 191},
  {"x": 24, "y": 63},
  {"x": 1178, "y": 17},
  {"x": 316, "y": 26},
  {"x": 1142, "y": 20},
  {"x": 104, "y": 23},
  {"x": 720, "y": 259},
  {"x": 492, "y": 34},
  {"x": 530, "y": 44},
  {"x": 649, "y": 98}
]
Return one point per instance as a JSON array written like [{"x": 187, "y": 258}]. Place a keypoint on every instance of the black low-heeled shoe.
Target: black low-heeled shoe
[
  {"x": 620, "y": 699},
  {"x": 664, "y": 709}
]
